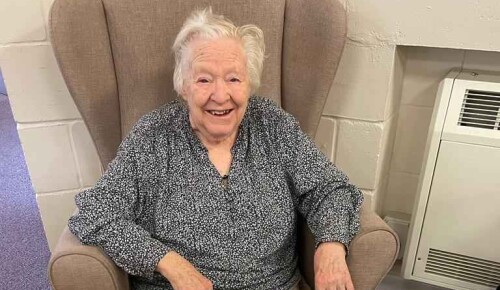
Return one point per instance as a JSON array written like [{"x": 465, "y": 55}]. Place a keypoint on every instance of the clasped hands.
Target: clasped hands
[{"x": 330, "y": 270}]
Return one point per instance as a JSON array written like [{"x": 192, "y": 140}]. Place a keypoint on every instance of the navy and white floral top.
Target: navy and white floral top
[{"x": 162, "y": 193}]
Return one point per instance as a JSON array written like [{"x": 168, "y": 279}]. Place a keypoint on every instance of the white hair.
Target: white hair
[{"x": 206, "y": 25}]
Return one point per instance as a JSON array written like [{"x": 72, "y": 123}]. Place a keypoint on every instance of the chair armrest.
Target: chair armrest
[
  {"x": 74, "y": 266},
  {"x": 373, "y": 251}
]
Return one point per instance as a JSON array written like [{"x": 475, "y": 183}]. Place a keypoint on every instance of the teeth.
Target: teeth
[{"x": 219, "y": 113}]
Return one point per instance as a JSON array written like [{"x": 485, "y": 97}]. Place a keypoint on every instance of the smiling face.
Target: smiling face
[{"x": 216, "y": 88}]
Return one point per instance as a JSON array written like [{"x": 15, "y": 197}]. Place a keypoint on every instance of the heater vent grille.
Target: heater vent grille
[
  {"x": 480, "y": 109},
  {"x": 464, "y": 268}
]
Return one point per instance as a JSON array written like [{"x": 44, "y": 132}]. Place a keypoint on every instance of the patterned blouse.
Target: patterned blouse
[{"x": 162, "y": 193}]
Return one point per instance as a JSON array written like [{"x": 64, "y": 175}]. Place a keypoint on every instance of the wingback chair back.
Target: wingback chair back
[{"x": 116, "y": 59}]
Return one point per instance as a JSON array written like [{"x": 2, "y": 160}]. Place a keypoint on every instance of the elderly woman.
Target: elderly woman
[{"x": 204, "y": 192}]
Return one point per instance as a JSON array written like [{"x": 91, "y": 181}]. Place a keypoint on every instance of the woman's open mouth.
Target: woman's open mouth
[{"x": 219, "y": 113}]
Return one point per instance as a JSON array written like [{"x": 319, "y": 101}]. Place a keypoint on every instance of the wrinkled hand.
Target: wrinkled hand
[
  {"x": 182, "y": 274},
  {"x": 330, "y": 268}
]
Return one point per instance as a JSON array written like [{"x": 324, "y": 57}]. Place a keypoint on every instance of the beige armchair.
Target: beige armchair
[{"x": 115, "y": 58}]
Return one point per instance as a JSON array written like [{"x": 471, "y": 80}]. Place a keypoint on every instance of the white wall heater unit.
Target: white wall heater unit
[{"x": 454, "y": 237}]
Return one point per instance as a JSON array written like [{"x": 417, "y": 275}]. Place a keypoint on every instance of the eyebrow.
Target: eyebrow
[{"x": 203, "y": 68}]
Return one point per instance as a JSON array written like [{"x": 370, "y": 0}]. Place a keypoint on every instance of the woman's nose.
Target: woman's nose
[{"x": 221, "y": 91}]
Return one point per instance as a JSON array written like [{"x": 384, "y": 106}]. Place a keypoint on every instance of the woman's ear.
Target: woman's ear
[
  {"x": 185, "y": 81},
  {"x": 184, "y": 92}
]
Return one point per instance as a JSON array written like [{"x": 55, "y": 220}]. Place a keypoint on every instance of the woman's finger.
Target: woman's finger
[{"x": 349, "y": 285}]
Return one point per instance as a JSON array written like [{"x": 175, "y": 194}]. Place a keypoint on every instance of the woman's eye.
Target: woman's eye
[
  {"x": 203, "y": 81},
  {"x": 234, "y": 80}
]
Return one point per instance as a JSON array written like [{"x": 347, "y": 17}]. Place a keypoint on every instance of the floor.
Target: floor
[
  {"x": 24, "y": 252},
  {"x": 393, "y": 281},
  {"x": 3, "y": 91}
]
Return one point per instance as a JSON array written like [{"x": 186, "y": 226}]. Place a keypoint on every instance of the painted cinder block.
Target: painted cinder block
[
  {"x": 386, "y": 149},
  {"x": 49, "y": 157},
  {"x": 21, "y": 21},
  {"x": 381, "y": 193},
  {"x": 326, "y": 137},
  {"x": 370, "y": 22},
  {"x": 482, "y": 60},
  {"x": 358, "y": 151},
  {"x": 54, "y": 221},
  {"x": 401, "y": 192},
  {"x": 85, "y": 154},
  {"x": 362, "y": 83},
  {"x": 46, "y": 5},
  {"x": 396, "y": 84},
  {"x": 36, "y": 89},
  {"x": 369, "y": 198},
  {"x": 471, "y": 25},
  {"x": 374, "y": 199},
  {"x": 411, "y": 137},
  {"x": 425, "y": 69}
]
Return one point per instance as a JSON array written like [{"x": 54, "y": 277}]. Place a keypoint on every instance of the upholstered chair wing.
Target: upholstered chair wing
[{"x": 116, "y": 60}]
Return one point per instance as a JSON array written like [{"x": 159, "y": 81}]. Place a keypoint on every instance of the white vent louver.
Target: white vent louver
[
  {"x": 481, "y": 110},
  {"x": 464, "y": 268}
]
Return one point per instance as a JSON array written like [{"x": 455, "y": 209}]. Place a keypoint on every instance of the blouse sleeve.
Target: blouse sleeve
[
  {"x": 322, "y": 192},
  {"x": 109, "y": 211}
]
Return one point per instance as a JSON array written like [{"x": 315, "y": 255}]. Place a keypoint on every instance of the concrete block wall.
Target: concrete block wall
[
  {"x": 363, "y": 102},
  {"x": 59, "y": 152},
  {"x": 357, "y": 129},
  {"x": 372, "y": 99}
]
